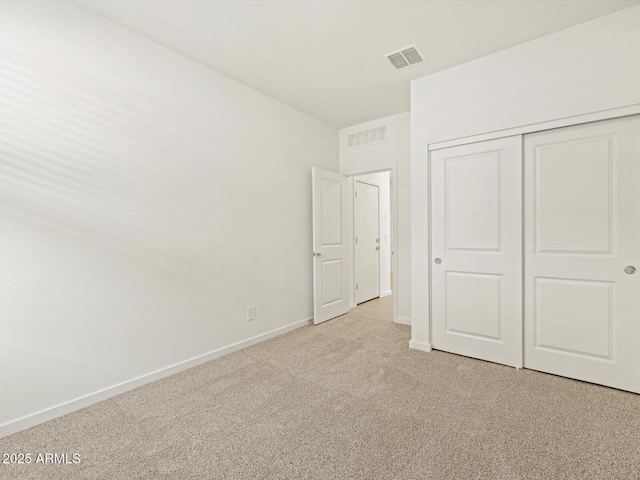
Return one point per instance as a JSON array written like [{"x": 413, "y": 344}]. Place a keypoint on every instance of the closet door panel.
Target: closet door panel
[
  {"x": 476, "y": 243},
  {"x": 582, "y": 231}
]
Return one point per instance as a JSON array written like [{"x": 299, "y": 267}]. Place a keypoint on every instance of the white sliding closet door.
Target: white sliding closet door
[
  {"x": 477, "y": 250},
  {"x": 582, "y": 292}
]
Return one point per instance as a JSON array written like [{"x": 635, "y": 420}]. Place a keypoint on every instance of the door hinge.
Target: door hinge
[
  {"x": 356, "y": 194},
  {"x": 356, "y": 240},
  {"x": 356, "y": 286}
]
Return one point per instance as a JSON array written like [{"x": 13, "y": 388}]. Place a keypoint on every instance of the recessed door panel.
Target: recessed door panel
[
  {"x": 472, "y": 203},
  {"x": 477, "y": 250},
  {"x": 331, "y": 230},
  {"x": 582, "y": 231},
  {"x": 564, "y": 307},
  {"x": 331, "y": 281},
  {"x": 574, "y": 195},
  {"x": 473, "y": 305}
]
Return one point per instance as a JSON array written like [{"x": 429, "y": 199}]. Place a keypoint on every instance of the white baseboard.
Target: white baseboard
[
  {"x": 403, "y": 321},
  {"x": 353, "y": 305},
  {"x": 424, "y": 347},
  {"x": 386, "y": 294},
  {"x": 81, "y": 402}
]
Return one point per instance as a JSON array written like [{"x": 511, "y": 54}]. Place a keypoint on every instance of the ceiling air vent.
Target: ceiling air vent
[
  {"x": 367, "y": 137},
  {"x": 406, "y": 56}
]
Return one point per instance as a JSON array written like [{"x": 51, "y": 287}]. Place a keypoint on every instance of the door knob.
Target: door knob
[
  {"x": 317, "y": 254},
  {"x": 377, "y": 247},
  {"x": 630, "y": 269},
  {"x": 438, "y": 261}
]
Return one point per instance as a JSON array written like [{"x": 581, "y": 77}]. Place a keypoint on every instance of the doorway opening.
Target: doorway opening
[
  {"x": 337, "y": 274},
  {"x": 373, "y": 234}
]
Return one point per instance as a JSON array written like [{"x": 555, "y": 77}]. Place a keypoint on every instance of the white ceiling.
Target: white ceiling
[{"x": 326, "y": 57}]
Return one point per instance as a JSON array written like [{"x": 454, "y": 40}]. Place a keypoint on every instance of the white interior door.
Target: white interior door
[
  {"x": 330, "y": 249},
  {"x": 367, "y": 241},
  {"x": 476, "y": 246},
  {"x": 582, "y": 245}
]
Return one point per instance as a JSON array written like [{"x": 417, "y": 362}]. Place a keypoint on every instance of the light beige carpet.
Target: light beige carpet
[{"x": 346, "y": 400}]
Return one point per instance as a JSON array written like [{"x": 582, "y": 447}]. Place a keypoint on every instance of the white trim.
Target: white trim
[
  {"x": 403, "y": 321},
  {"x": 537, "y": 127},
  {"x": 81, "y": 402},
  {"x": 386, "y": 294},
  {"x": 366, "y": 171},
  {"x": 423, "y": 347}
]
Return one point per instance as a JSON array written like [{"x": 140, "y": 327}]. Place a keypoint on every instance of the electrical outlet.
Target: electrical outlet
[{"x": 251, "y": 313}]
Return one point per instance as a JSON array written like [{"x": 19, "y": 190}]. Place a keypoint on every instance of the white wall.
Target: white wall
[
  {"x": 382, "y": 181},
  {"x": 145, "y": 202},
  {"x": 588, "y": 68},
  {"x": 395, "y": 151}
]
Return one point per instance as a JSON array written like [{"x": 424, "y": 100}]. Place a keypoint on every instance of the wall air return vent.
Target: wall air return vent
[
  {"x": 406, "y": 56},
  {"x": 369, "y": 136}
]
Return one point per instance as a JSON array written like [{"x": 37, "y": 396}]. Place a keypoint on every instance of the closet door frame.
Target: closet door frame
[
  {"x": 425, "y": 344},
  {"x": 541, "y": 126}
]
